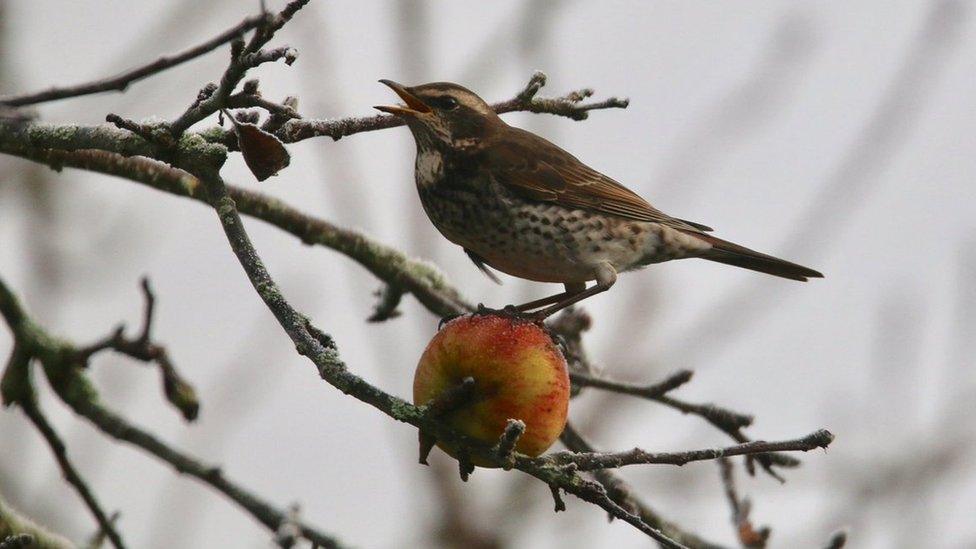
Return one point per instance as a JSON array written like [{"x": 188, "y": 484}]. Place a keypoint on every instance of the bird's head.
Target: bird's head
[{"x": 442, "y": 114}]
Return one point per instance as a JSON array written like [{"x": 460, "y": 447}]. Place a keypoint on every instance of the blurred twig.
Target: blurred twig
[
  {"x": 746, "y": 533},
  {"x": 612, "y": 460},
  {"x": 30, "y": 407},
  {"x": 177, "y": 390}
]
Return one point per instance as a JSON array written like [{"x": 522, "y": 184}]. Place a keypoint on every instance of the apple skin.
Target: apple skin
[{"x": 519, "y": 373}]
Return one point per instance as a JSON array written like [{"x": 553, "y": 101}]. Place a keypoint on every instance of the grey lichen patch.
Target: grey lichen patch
[
  {"x": 329, "y": 357},
  {"x": 426, "y": 271},
  {"x": 46, "y": 134},
  {"x": 195, "y": 144},
  {"x": 226, "y": 208},
  {"x": 64, "y": 133},
  {"x": 268, "y": 291},
  {"x": 397, "y": 261},
  {"x": 216, "y": 134},
  {"x": 198, "y": 152},
  {"x": 406, "y": 412}
]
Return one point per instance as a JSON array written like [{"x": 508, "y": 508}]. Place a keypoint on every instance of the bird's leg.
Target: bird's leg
[
  {"x": 606, "y": 276},
  {"x": 572, "y": 288}
]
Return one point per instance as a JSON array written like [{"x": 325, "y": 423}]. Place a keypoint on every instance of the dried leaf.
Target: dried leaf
[{"x": 264, "y": 154}]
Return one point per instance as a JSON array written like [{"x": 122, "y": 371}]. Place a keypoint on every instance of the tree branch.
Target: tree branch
[
  {"x": 651, "y": 392},
  {"x": 624, "y": 496},
  {"x": 121, "y": 82},
  {"x": 727, "y": 421},
  {"x": 179, "y": 392},
  {"x": 242, "y": 58},
  {"x": 66, "y": 377},
  {"x": 613, "y": 460}
]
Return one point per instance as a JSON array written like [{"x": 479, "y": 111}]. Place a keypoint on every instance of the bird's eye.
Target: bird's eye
[{"x": 445, "y": 102}]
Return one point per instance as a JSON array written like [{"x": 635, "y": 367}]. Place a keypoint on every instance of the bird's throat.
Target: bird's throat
[{"x": 429, "y": 167}]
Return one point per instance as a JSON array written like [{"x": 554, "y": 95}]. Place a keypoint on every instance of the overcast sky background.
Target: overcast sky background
[{"x": 836, "y": 134}]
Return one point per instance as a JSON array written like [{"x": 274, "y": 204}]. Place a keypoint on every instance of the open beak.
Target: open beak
[{"x": 414, "y": 106}]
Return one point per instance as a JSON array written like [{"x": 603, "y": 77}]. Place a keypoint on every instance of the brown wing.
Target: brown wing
[{"x": 539, "y": 170}]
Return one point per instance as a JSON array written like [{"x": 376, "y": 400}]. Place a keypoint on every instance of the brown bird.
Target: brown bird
[{"x": 520, "y": 204}]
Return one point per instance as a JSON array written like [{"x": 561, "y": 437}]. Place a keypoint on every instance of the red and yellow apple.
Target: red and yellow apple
[{"x": 519, "y": 373}]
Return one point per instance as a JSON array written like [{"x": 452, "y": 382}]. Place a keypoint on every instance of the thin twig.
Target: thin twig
[
  {"x": 71, "y": 475},
  {"x": 242, "y": 58},
  {"x": 452, "y": 399},
  {"x": 608, "y": 460},
  {"x": 121, "y": 82},
  {"x": 672, "y": 382},
  {"x": 386, "y": 307},
  {"x": 96, "y": 540},
  {"x": 746, "y": 533},
  {"x": 620, "y": 492},
  {"x": 179, "y": 392},
  {"x": 728, "y": 421}
]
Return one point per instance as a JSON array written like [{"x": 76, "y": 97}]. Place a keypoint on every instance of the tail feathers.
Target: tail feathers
[{"x": 732, "y": 254}]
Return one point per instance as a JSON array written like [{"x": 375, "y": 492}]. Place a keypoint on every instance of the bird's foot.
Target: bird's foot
[
  {"x": 511, "y": 311},
  {"x": 481, "y": 310}
]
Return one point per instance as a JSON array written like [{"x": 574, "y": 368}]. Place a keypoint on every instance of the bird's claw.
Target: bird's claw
[{"x": 508, "y": 311}]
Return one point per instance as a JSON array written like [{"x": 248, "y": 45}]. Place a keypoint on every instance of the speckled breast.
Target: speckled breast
[{"x": 533, "y": 240}]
